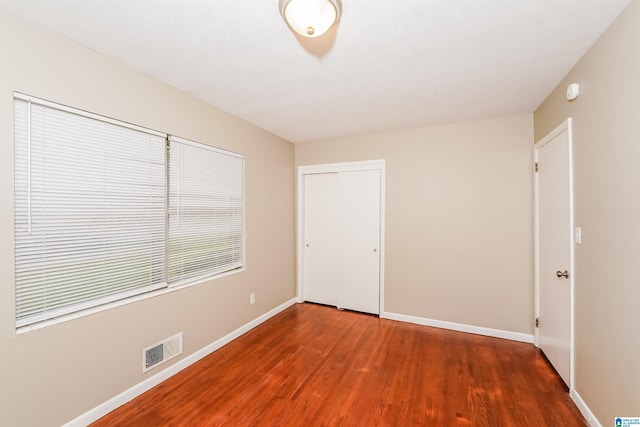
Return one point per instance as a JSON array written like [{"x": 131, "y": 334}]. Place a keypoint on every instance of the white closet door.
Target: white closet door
[
  {"x": 342, "y": 239},
  {"x": 358, "y": 249},
  {"x": 320, "y": 237}
]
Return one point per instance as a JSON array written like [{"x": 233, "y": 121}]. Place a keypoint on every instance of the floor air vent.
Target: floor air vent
[{"x": 161, "y": 352}]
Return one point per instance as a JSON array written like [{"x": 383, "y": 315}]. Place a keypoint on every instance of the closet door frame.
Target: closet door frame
[{"x": 378, "y": 165}]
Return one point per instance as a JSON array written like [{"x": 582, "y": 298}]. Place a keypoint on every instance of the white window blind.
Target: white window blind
[
  {"x": 205, "y": 211},
  {"x": 90, "y": 210}
]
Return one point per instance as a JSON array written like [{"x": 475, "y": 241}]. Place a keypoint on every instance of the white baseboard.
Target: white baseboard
[
  {"x": 584, "y": 408},
  {"x": 124, "y": 397},
  {"x": 460, "y": 327}
]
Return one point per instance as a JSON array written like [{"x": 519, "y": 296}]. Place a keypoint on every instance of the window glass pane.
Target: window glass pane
[
  {"x": 205, "y": 211},
  {"x": 90, "y": 211}
]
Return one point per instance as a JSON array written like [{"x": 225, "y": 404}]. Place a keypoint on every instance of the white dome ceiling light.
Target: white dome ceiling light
[{"x": 310, "y": 18}]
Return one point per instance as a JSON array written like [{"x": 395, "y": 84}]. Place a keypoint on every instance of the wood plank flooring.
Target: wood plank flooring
[{"x": 317, "y": 366}]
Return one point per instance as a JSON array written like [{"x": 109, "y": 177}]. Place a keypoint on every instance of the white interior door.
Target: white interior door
[
  {"x": 320, "y": 237},
  {"x": 358, "y": 253},
  {"x": 555, "y": 246}
]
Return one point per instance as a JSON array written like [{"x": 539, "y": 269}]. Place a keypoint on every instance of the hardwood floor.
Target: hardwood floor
[{"x": 317, "y": 366}]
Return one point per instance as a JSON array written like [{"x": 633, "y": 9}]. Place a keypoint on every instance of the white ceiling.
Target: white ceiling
[{"x": 388, "y": 65}]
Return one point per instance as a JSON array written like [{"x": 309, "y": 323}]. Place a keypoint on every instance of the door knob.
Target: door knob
[{"x": 564, "y": 274}]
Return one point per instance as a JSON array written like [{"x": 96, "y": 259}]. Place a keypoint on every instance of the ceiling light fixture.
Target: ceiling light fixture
[{"x": 310, "y": 18}]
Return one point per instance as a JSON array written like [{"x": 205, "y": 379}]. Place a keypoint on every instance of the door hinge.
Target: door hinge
[
  {"x": 537, "y": 322},
  {"x": 537, "y": 166}
]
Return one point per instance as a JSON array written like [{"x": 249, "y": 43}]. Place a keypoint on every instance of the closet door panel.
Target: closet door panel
[
  {"x": 358, "y": 237},
  {"x": 320, "y": 237}
]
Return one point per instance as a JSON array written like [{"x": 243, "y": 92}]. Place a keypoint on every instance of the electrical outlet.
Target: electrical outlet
[{"x": 252, "y": 298}]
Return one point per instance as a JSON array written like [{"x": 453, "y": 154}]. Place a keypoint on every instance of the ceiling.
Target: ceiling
[{"x": 388, "y": 65}]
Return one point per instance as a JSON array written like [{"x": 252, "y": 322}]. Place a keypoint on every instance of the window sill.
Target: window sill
[{"x": 93, "y": 310}]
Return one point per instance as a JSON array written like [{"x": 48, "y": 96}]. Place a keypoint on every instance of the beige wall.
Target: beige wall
[
  {"x": 456, "y": 190},
  {"x": 606, "y": 120},
  {"x": 50, "y": 376}
]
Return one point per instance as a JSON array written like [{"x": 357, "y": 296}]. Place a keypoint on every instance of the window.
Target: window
[
  {"x": 102, "y": 214},
  {"x": 205, "y": 211}
]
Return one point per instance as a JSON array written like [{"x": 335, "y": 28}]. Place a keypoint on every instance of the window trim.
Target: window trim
[{"x": 152, "y": 290}]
